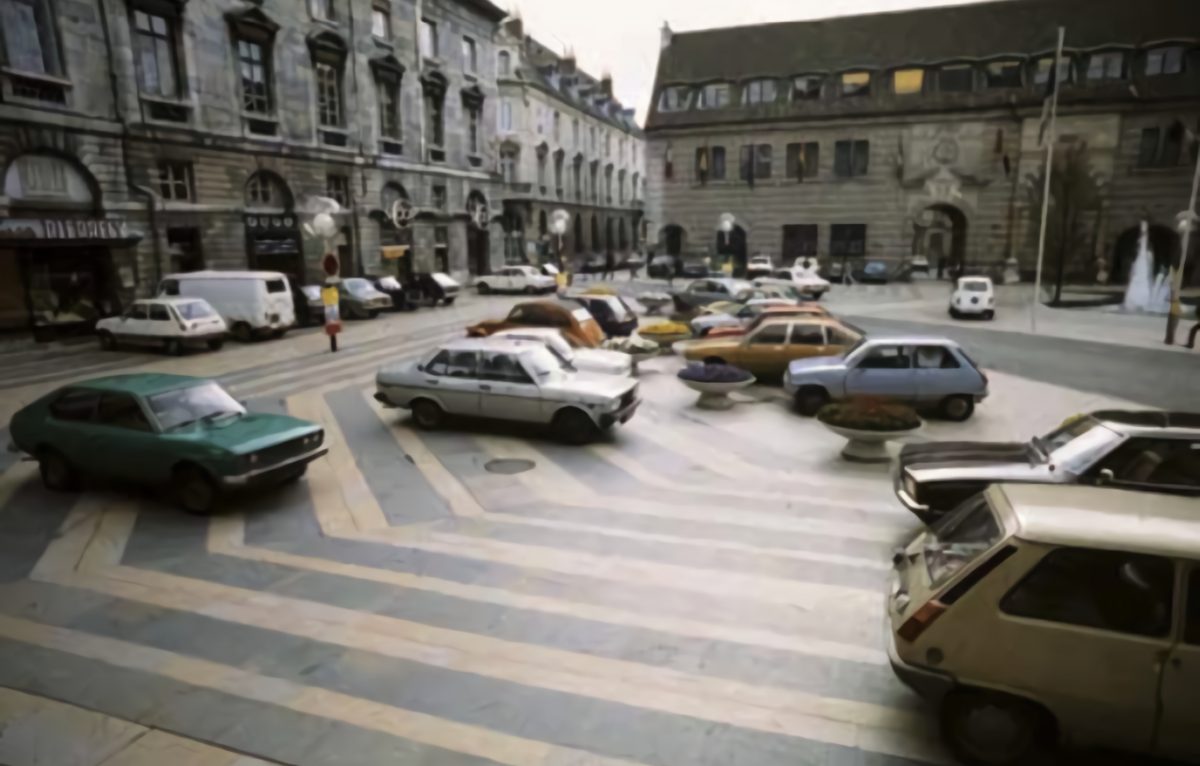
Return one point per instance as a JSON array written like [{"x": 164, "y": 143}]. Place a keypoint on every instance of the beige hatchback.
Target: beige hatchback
[{"x": 1037, "y": 616}]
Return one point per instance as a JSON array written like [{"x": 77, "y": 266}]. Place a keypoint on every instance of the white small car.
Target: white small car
[
  {"x": 584, "y": 360},
  {"x": 516, "y": 380},
  {"x": 760, "y": 265},
  {"x": 167, "y": 323},
  {"x": 807, "y": 282},
  {"x": 973, "y": 296},
  {"x": 516, "y": 279}
]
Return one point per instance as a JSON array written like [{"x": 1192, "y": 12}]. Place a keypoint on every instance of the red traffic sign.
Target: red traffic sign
[{"x": 330, "y": 265}]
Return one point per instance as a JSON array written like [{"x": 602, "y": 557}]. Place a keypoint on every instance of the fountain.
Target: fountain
[{"x": 1147, "y": 292}]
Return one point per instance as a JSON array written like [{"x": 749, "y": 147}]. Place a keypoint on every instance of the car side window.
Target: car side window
[
  {"x": 1191, "y": 615},
  {"x": 136, "y": 311},
  {"x": 503, "y": 368},
  {"x": 885, "y": 358},
  {"x": 840, "y": 338},
  {"x": 158, "y": 313},
  {"x": 452, "y": 364},
  {"x": 121, "y": 411},
  {"x": 75, "y": 406},
  {"x": 1109, "y": 590},
  {"x": 934, "y": 358},
  {"x": 770, "y": 335},
  {"x": 1154, "y": 461},
  {"x": 808, "y": 335}
]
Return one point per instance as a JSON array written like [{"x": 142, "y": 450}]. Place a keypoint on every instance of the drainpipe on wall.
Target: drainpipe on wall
[
  {"x": 151, "y": 200},
  {"x": 420, "y": 71},
  {"x": 354, "y": 229}
]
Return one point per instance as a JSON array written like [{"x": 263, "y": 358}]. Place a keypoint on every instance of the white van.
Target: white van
[
  {"x": 1039, "y": 615},
  {"x": 252, "y": 303}
]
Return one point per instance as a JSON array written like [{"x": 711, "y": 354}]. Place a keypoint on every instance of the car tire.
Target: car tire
[
  {"x": 809, "y": 400},
  {"x": 172, "y": 347},
  {"x": 954, "y": 313},
  {"x": 372, "y": 314},
  {"x": 957, "y": 408},
  {"x": 988, "y": 729},
  {"x": 449, "y": 301},
  {"x": 573, "y": 426},
  {"x": 58, "y": 475},
  {"x": 483, "y": 288},
  {"x": 215, "y": 345},
  {"x": 989, "y": 315},
  {"x": 427, "y": 414},
  {"x": 295, "y": 475},
  {"x": 242, "y": 332},
  {"x": 194, "y": 490},
  {"x": 108, "y": 341}
]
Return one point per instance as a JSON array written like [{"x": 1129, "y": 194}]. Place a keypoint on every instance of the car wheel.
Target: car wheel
[
  {"x": 108, "y": 341},
  {"x": 989, "y": 315},
  {"x": 574, "y": 426},
  {"x": 57, "y": 474},
  {"x": 372, "y": 314},
  {"x": 483, "y": 288},
  {"x": 194, "y": 490},
  {"x": 295, "y": 475},
  {"x": 242, "y": 332},
  {"x": 992, "y": 729},
  {"x": 954, "y": 313},
  {"x": 957, "y": 408},
  {"x": 810, "y": 399},
  {"x": 530, "y": 290},
  {"x": 215, "y": 345},
  {"x": 172, "y": 347},
  {"x": 427, "y": 415},
  {"x": 449, "y": 301}
]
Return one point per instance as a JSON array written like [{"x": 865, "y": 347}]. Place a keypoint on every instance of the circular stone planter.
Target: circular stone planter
[
  {"x": 642, "y": 356},
  {"x": 715, "y": 396},
  {"x": 868, "y": 446},
  {"x": 654, "y": 305},
  {"x": 665, "y": 340}
]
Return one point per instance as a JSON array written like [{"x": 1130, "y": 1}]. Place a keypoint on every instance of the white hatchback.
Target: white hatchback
[
  {"x": 973, "y": 296},
  {"x": 167, "y": 323},
  {"x": 584, "y": 360},
  {"x": 516, "y": 279}
]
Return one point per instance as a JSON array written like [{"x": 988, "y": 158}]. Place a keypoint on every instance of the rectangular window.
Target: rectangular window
[
  {"x": 175, "y": 181},
  {"x": 503, "y": 64},
  {"x": 702, "y": 166},
  {"x": 508, "y": 167},
  {"x": 381, "y": 22},
  {"x": 429, "y": 39},
  {"x": 716, "y": 165},
  {"x": 473, "y": 130},
  {"x": 1106, "y": 66},
  {"x": 799, "y": 240},
  {"x": 329, "y": 95},
  {"x": 908, "y": 81},
  {"x": 759, "y": 92},
  {"x": 557, "y": 127},
  {"x": 434, "y": 119},
  {"x": 959, "y": 78},
  {"x": 321, "y": 9},
  {"x": 575, "y": 133},
  {"x": 806, "y": 88},
  {"x": 30, "y": 45},
  {"x": 1109, "y": 590},
  {"x": 1041, "y": 72},
  {"x": 438, "y": 193},
  {"x": 506, "y": 115},
  {"x": 713, "y": 96},
  {"x": 470, "y": 56},
  {"x": 673, "y": 99},
  {"x": 850, "y": 158},
  {"x": 389, "y": 109},
  {"x": 847, "y": 239},
  {"x": 1164, "y": 61},
  {"x": 253, "y": 63},
  {"x": 441, "y": 248},
  {"x": 802, "y": 160},
  {"x": 856, "y": 83},
  {"x": 337, "y": 187},
  {"x": 154, "y": 51},
  {"x": 1160, "y": 147},
  {"x": 755, "y": 162},
  {"x": 1002, "y": 74}
]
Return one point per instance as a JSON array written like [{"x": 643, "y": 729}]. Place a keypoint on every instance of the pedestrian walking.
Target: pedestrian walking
[
  {"x": 1195, "y": 330},
  {"x": 608, "y": 265}
]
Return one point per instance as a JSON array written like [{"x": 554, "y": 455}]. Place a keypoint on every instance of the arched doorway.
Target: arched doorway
[
  {"x": 578, "y": 234},
  {"x": 731, "y": 248},
  {"x": 595, "y": 234},
  {"x": 272, "y": 236},
  {"x": 672, "y": 237},
  {"x": 514, "y": 236},
  {"x": 608, "y": 235},
  {"x": 479, "y": 259},
  {"x": 395, "y": 233},
  {"x": 622, "y": 235},
  {"x": 940, "y": 236},
  {"x": 1163, "y": 243}
]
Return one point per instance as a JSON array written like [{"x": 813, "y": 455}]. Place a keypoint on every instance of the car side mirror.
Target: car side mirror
[
  {"x": 420, "y": 368},
  {"x": 1105, "y": 476}
]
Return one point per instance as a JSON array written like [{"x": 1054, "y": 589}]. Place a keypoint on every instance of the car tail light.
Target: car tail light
[{"x": 914, "y": 626}]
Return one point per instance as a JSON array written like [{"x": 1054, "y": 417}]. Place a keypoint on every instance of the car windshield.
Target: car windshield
[
  {"x": 357, "y": 285},
  {"x": 184, "y": 406},
  {"x": 194, "y": 310},
  {"x": 1070, "y": 430},
  {"x": 862, "y": 339},
  {"x": 545, "y": 366},
  {"x": 959, "y": 538},
  {"x": 976, "y": 286},
  {"x": 389, "y": 283},
  {"x": 619, "y": 312}
]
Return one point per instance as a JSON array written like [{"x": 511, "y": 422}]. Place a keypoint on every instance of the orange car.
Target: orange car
[
  {"x": 574, "y": 321},
  {"x": 803, "y": 309}
]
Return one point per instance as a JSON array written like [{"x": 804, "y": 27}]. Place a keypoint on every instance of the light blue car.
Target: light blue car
[{"x": 921, "y": 371}]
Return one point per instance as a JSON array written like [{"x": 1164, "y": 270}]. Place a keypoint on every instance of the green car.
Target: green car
[{"x": 174, "y": 431}]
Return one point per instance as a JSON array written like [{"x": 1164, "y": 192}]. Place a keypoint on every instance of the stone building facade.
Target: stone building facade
[
  {"x": 141, "y": 137},
  {"x": 916, "y": 134},
  {"x": 565, "y": 144}
]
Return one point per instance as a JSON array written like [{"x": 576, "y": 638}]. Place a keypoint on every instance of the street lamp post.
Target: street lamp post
[
  {"x": 558, "y": 227},
  {"x": 1187, "y": 222},
  {"x": 725, "y": 223},
  {"x": 323, "y": 226}
]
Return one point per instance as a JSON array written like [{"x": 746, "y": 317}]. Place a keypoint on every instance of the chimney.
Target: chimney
[
  {"x": 666, "y": 36},
  {"x": 566, "y": 64},
  {"x": 606, "y": 85},
  {"x": 515, "y": 27}
]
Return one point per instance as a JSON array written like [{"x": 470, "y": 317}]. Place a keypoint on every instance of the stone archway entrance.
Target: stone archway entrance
[
  {"x": 672, "y": 239},
  {"x": 940, "y": 237},
  {"x": 1163, "y": 243}
]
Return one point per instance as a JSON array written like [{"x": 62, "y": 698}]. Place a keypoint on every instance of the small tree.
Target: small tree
[{"x": 1074, "y": 191}]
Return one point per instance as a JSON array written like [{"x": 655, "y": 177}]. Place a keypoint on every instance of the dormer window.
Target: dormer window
[
  {"x": 1002, "y": 74},
  {"x": 713, "y": 96},
  {"x": 956, "y": 78},
  {"x": 673, "y": 98},
  {"x": 759, "y": 92},
  {"x": 806, "y": 87},
  {"x": 1109, "y": 65},
  {"x": 1164, "y": 61},
  {"x": 908, "y": 81},
  {"x": 856, "y": 83}
]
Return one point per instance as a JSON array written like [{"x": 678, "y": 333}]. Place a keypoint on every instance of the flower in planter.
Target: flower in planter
[
  {"x": 665, "y": 328},
  {"x": 632, "y": 344},
  {"x": 599, "y": 290},
  {"x": 868, "y": 414},
  {"x": 714, "y": 373}
]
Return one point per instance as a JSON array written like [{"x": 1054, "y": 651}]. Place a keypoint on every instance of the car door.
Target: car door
[
  {"x": 760, "y": 352},
  {"x": 936, "y": 374},
  {"x": 69, "y": 416},
  {"x": 1086, "y": 632},
  {"x": 884, "y": 370},
  {"x": 159, "y": 323},
  {"x": 132, "y": 327},
  {"x": 1180, "y": 720},
  {"x": 507, "y": 279},
  {"x": 454, "y": 376},
  {"x": 125, "y": 445},
  {"x": 1145, "y": 462},
  {"x": 807, "y": 339},
  {"x": 507, "y": 392}
]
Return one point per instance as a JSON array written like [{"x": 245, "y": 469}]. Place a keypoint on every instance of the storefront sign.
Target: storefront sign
[
  {"x": 63, "y": 228},
  {"x": 393, "y": 252}
]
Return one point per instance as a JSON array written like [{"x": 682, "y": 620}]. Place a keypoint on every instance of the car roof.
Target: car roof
[
  {"x": 910, "y": 340},
  {"x": 491, "y": 343},
  {"x": 1102, "y": 517},
  {"x": 795, "y": 308},
  {"x": 786, "y": 318},
  {"x": 1149, "y": 421},
  {"x": 529, "y": 331},
  {"x": 140, "y": 383},
  {"x": 974, "y": 279},
  {"x": 173, "y": 300},
  {"x": 213, "y": 274}
]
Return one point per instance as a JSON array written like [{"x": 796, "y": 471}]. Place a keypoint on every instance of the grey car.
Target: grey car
[
  {"x": 705, "y": 291},
  {"x": 1150, "y": 450},
  {"x": 925, "y": 372}
]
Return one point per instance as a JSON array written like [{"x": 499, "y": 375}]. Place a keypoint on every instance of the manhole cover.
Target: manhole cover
[{"x": 508, "y": 466}]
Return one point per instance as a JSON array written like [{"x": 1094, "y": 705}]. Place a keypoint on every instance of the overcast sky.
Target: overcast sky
[{"x": 622, "y": 36}]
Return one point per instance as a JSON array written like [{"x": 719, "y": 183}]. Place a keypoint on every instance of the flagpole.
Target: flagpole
[{"x": 1041, "y": 252}]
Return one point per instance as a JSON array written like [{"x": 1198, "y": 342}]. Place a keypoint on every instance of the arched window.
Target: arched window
[
  {"x": 264, "y": 189},
  {"x": 34, "y": 178},
  {"x": 504, "y": 64}
]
